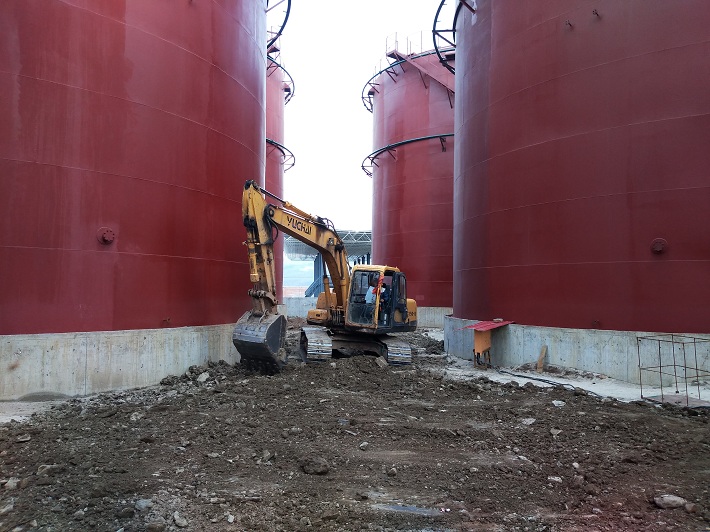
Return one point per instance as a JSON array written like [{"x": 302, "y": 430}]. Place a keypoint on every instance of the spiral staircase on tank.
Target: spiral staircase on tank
[
  {"x": 444, "y": 35},
  {"x": 273, "y": 49},
  {"x": 280, "y": 16},
  {"x": 429, "y": 68}
]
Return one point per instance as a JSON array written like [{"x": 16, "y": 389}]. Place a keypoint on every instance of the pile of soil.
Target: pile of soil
[{"x": 354, "y": 444}]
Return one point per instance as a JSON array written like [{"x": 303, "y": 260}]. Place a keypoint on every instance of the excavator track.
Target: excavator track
[
  {"x": 398, "y": 351},
  {"x": 316, "y": 344}
]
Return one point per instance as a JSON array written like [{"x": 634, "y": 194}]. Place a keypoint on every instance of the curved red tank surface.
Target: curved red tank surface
[
  {"x": 127, "y": 130},
  {"x": 275, "y": 103},
  {"x": 583, "y": 171},
  {"x": 412, "y": 212}
]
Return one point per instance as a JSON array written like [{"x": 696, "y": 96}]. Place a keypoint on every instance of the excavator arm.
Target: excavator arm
[{"x": 260, "y": 333}]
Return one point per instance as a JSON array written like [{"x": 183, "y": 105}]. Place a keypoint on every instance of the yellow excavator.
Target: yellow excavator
[{"x": 366, "y": 302}]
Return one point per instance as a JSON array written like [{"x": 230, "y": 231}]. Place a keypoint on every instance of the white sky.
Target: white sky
[{"x": 331, "y": 49}]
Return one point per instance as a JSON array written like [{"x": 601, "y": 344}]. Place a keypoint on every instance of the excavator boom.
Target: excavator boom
[{"x": 260, "y": 333}]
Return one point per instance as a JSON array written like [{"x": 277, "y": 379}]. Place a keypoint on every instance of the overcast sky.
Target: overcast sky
[{"x": 331, "y": 49}]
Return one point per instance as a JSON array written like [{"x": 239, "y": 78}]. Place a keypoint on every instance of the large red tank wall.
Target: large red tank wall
[
  {"x": 577, "y": 147},
  {"x": 142, "y": 117},
  {"x": 275, "y": 104},
  {"x": 412, "y": 213}
]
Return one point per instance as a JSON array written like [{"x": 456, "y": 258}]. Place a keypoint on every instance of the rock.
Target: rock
[
  {"x": 364, "y": 445},
  {"x": 79, "y": 514},
  {"x": 12, "y": 483},
  {"x": 202, "y": 378},
  {"x": 381, "y": 362},
  {"x": 143, "y": 504},
  {"x": 632, "y": 458},
  {"x": 555, "y": 432},
  {"x": 179, "y": 520},
  {"x": 559, "y": 404},
  {"x": 22, "y": 438},
  {"x": 305, "y": 521},
  {"x": 591, "y": 489},
  {"x": 669, "y": 501},
  {"x": 578, "y": 481},
  {"x": 692, "y": 508},
  {"x": 135, "y": 416},
  {"x": 156, "y": 526},
  {"x": 392, "y": 472},
  {"x": 555, "y": 479},
  {"x": 329, "y": 514},
  {"x": 314, "y": 465},
  {"x": 528, "y": 421},
  {"x": 125, "y": 513},
  {"x": 7, "y": 508},
  {"x": 49, "y": 469}
]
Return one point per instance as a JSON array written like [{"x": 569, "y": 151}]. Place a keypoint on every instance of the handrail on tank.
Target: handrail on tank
[
  {"x": 289, "y": 83},
  {"x": 438, "y": 34},
  {"x": 369, "y": 88},
  {"x": 276, "y": 35},
  {"x": 288, "y": 156},
  {"x": 395, "y": 145}
]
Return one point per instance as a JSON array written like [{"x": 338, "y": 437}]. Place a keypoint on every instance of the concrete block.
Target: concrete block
[
  {"x": 42, "y": 365},
  {"x": 612, "y": 353},
  {"x": 55, "y": 365}
]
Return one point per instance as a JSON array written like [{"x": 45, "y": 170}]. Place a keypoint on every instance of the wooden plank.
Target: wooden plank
[{"x": 543, "y": 352}]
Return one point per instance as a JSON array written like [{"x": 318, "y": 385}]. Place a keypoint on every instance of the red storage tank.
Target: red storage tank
[
  {"x": 128, "y": 129},
  {"x": 582, "y": 179},
  {"x": 278, "y": 92},
  {"x": 412, "y": 169}
]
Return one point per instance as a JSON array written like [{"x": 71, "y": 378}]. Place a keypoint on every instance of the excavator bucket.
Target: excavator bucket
[{"x": 260, "y": 341}]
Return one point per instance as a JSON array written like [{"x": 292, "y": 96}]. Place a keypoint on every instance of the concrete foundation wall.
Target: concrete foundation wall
[
  {"x": 73, "y": 364},
  {"x": 298, "y": 307},
  {"x": 611, "y": 353},
  {"x": 426, "y": 316}
]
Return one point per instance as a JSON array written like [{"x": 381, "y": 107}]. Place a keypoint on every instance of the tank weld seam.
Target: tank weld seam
[
  {"x": 583, "y": 198},
  {"x": 584, "y": 263},
  {"x": 126, "y": 253},
  {"x": 588, "y": 132},
  {"x": 124, "y": 176},
  {"x": 135, "y": 102},
  {"x": 598, "y": 65},
  {"x": 248, "y": 31}
]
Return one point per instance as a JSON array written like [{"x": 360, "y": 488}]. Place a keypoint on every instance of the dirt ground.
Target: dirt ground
[{"x": 354, "y": 445}]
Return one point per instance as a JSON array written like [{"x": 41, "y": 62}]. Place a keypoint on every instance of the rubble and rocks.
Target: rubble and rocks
[{"x": 349, "y": 445}]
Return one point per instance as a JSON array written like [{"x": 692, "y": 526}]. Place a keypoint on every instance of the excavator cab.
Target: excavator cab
[{"x": 378, "y": 301}]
